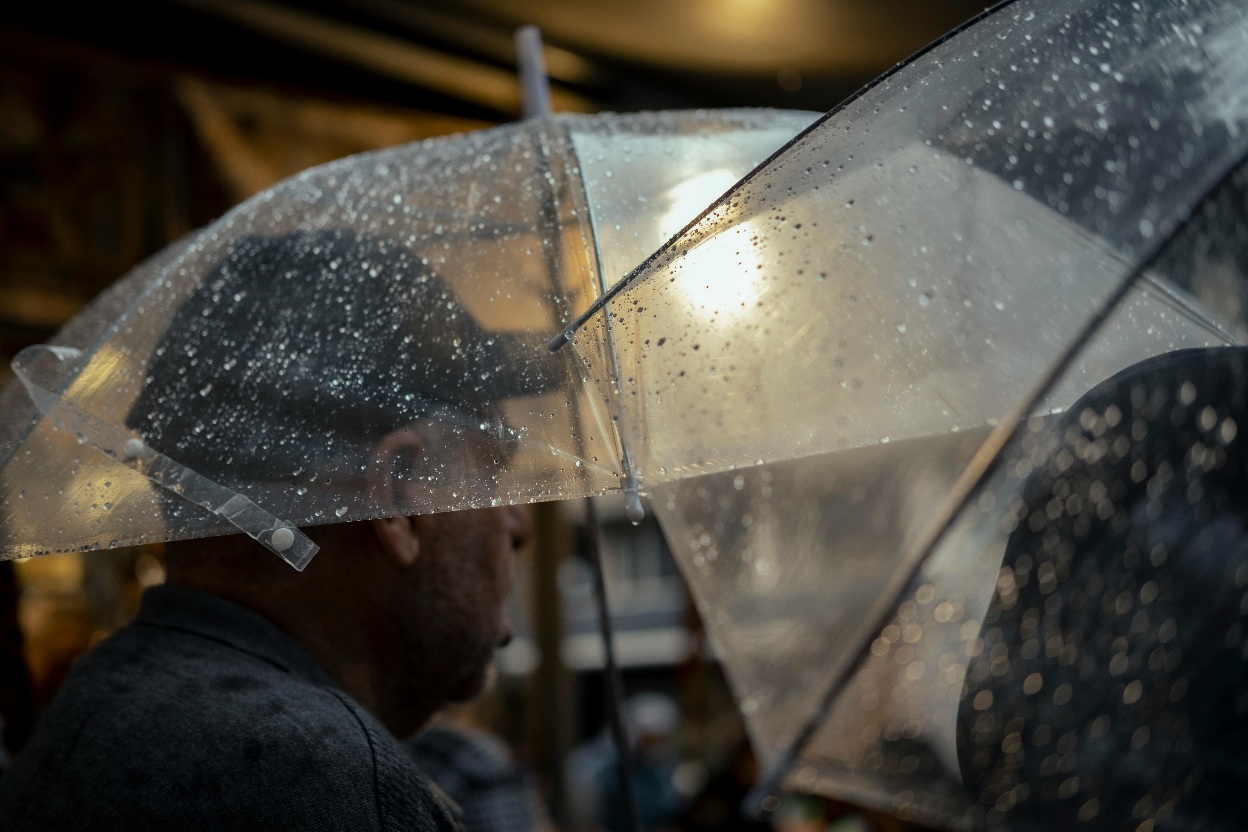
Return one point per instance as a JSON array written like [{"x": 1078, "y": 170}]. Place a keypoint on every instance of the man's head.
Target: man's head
[
  {"x": 329, "y": 366},
  {"x": 298, "y": 356}
]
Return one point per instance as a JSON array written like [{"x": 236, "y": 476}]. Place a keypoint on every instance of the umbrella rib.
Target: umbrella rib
[
  {"x": 631, "y": 487},
  {"x": 1185, "y": 305},
  {"x": 552, "y": 256},
  {"x": 761, "y": 798},
  {"x": 528, "y": 43}
]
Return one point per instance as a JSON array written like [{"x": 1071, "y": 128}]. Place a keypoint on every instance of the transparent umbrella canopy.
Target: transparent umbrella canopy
[
  {"x": 989, "y": 311},
  {"x": 362, "y": 340}
]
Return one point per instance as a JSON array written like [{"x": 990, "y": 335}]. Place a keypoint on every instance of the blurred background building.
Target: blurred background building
[{"x": 123, "y": 127}]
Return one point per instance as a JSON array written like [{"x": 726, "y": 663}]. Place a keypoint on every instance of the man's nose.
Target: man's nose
[{"x": 520, "y": 524}]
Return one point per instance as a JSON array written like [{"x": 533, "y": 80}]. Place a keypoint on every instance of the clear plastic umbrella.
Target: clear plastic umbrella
[
  {"x": 361, "y": 340},
  {"x": 924, "y": 304},
  {"x": 809, "y": 380}
]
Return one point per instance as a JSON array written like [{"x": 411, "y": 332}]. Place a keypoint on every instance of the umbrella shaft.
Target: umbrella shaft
[{"x": 611, "y": 672}]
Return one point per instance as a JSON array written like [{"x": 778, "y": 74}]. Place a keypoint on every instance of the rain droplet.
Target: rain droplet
[
  {"x": 132, "y": 448},
  {"x": 340, "y": 511}
]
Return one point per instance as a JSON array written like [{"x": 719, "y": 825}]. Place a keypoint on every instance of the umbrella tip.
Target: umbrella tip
[
  {"x": 633, "y": 508},
  {"x": 559, "y": 340}
]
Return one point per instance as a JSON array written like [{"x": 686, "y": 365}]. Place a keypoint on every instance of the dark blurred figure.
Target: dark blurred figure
[
  {"x": 651, "y": 721},
  {"x": 1112, "y": 687},
  {"x": 476, "y": 770},
  {"x": 17, "y": 704}
]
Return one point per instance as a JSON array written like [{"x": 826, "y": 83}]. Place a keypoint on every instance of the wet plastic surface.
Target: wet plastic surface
[{"x": 364, "y": 339}]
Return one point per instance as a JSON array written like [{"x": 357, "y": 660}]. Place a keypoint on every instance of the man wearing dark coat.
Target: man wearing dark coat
[{"x": 247, "y": 695}]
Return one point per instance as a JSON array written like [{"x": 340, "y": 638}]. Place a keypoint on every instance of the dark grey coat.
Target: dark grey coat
[{"x": 203, "y": 715}]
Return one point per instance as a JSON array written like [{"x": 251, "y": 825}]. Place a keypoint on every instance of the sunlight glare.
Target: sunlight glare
[{"x": 718, "y": 277}]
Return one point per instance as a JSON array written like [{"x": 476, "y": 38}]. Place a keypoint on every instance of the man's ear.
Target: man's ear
[
  {"x": 400, "y": 535},
  {"x": 393, "y": 457},
  {"x": 400, "y": 540}
]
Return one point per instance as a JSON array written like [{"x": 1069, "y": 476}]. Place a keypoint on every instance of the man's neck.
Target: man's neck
[{"x": 334, "y": 610}]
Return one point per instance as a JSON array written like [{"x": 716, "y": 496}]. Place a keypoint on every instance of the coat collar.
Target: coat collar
[{"x": 173, "y": 607}]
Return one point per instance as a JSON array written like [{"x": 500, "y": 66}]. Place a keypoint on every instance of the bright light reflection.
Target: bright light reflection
[
  {"x": 721, "y": 276},
  {"x": 105, "y": 367}
]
